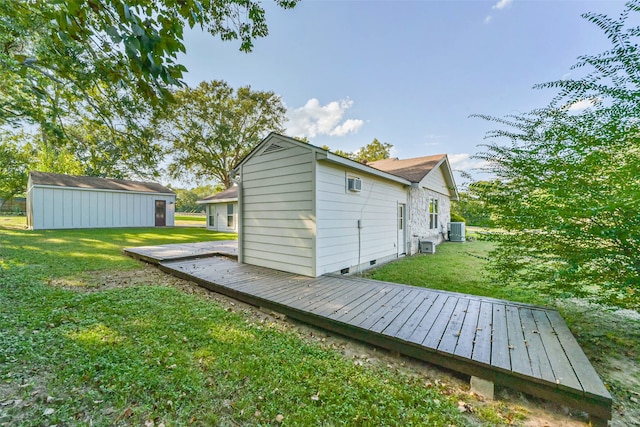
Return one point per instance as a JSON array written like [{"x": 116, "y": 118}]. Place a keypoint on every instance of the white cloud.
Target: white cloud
[
  {"x": 464, "y": 162},
  {"x": 582, "y": 105},
  {"x": 501, "y": 4},
  {"x": 350, "y": 125},
  {"x": 488, "y": 19},
  {"x": 313, "y": 119}
]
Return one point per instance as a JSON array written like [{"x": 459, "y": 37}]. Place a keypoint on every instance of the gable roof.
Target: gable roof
[
  {"x": 418, "y": 168},
  {"x": 274, "y": 140},
  {"x": 228, "y": 195},
  {"x": 91, "y": 182},
  {"x": 413, "y": 170},
  {"x": 407, "y": 172}
]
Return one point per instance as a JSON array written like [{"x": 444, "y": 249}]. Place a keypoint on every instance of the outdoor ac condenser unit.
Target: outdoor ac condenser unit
[
  {"x": 354, "y": 184},
  {"x": 427, "y": 247},
  {"x": 456, "y": 232}
]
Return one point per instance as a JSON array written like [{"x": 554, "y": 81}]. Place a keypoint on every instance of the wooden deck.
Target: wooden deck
[{"x": 525, "y": 347}]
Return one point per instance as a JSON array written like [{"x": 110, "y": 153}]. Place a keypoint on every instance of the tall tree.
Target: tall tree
[
  {"x": 212, "y": 127},
  {"x": 129, "y": 152},
  {"x": 59, "y": 58},
  {"x": 373, "y": 151},
  {"x": 14, "y": 166},
  {"x": 471, "y": 205},
  {"x": 570, "y": 178}
]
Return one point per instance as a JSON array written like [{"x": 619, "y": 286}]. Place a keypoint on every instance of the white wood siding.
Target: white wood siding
[
  {"x": 278, "y": 224},
  {"x": 340, "y": 243},
  {"x": 57, "y": 208},
  {"x": 435, "y": 181}
]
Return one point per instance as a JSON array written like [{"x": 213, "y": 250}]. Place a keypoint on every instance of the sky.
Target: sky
[{"x": 410, "y": 73}]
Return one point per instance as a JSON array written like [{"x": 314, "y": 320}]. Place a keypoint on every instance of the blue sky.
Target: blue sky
[{"x": 406, "y": 72}]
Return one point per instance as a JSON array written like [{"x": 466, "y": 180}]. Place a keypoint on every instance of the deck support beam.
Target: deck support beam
[{"x": 482, "y": 387}]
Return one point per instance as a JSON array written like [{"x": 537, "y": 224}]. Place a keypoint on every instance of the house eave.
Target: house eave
[
  {"x": 212, "y": 202},
  {"x": 334, "y": 158}
]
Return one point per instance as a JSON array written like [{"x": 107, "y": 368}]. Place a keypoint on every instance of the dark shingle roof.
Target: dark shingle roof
[
  {"x": 60, "y": 180},
  {"x": 413, "y": 170},
  {"x": 228, "y": 194}
]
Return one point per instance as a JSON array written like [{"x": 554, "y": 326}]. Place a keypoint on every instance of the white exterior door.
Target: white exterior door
[{"x": 402, "y": 229}]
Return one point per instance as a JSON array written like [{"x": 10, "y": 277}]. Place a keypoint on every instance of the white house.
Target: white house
[
  {"x": 65, "y": 201},
  {"x": 306, "y": 210},
  {"x": 222, "y": 210}
]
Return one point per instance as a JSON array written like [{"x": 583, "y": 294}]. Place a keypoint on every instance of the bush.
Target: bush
[{"x": 457, "y": 218}]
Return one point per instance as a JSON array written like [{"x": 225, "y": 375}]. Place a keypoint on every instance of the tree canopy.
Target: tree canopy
[
  {"x": 471, "y": 205},
  {"x": 569, "y": 180},
  {"x": 373, "y": 151},
  {"x": 103, "y": 57},
  {"x": 186, "y": 200},
  {"x": 14, "y": 166},
  {"x": 210, "y": 128}
]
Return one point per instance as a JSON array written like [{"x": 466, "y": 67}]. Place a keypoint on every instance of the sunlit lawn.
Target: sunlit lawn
[
  {"x": 456, "y": 267},
  {"x": 151, "y": 353},
  {"x": 190, "y": 218}
]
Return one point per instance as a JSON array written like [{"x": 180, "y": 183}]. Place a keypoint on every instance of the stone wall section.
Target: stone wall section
[{"x": 419, "y": 217}]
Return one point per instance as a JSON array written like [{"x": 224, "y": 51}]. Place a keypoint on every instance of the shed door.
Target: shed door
[
  {"x": 402, "y": 227},
  {"x": 161, "y": 213}
]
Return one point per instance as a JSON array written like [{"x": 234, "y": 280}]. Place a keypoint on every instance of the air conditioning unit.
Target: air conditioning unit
[
  {"x": 354, "y": 184},
  {"x": 457, "y": 232},
  {"x": 427, "y": 247}
]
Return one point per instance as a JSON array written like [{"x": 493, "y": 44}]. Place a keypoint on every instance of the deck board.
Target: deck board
[
  {"x": 482, "y": 342},
  {"x": 565, "y": 376},
  {"x": 499, "y": 340},
  {"x": 464, "y": 346},
  {"x": 416, "y": 326},
  {"x": 518, "y": 349},
  {"x": 540, "y": 366},
  {"x": 453, "y": 330},
  {"x": 525, "y": 347}
]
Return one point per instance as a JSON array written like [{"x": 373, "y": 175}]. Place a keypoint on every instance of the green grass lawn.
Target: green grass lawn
[
  {"x": 13, "y": 221},
  {"x": 191, "y": 218},
  {"x": 76, "y": 353},
  {"x": 456, "y": 267}
]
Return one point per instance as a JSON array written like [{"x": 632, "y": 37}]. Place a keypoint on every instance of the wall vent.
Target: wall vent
[
  {"x": 354, "y": 184},
  {"x": 427, "y": 247},
  {"x": 457, "y": 232},
  {"x": 272, "y": 147}
]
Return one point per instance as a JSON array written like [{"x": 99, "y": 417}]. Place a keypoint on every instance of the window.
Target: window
[
  {"x": 212, "y": 211},
  {"x": 230, "y": 215},
  {"x": 433, "y": 213}
]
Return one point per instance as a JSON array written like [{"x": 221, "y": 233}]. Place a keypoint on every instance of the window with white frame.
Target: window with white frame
[
  {"x": 212, "y": 212},
  {"x": 230, "y": 215},
  {"x": 433, "y": 213}
]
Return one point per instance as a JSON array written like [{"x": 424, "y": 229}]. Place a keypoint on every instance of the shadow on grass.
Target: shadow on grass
[{"x": 49, "y": 254}]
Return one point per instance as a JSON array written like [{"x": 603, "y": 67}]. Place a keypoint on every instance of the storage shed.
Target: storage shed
[
  {"x": 222, "y": 210},
  {"x": 305, "y": 210},
  {"x": 57, "y": 201}
]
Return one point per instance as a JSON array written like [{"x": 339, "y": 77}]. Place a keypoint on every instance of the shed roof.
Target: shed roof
[
  {"x": 228, "y": 195},
  {"x": 413, "y": 170},
  {"x": 90, "y": 182}
]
